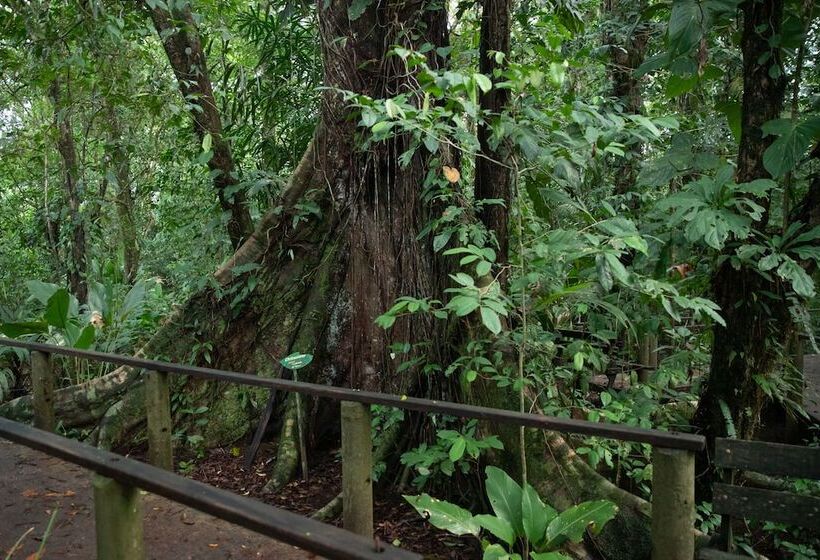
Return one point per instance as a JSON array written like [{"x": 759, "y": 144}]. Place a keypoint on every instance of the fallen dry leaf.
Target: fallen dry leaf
[{"x": 451, "y": 173}]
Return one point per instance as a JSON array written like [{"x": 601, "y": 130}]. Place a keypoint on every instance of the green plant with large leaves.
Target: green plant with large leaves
[
  {"x": 59, "y": 321},
  {"x": 520, "y": 517}
]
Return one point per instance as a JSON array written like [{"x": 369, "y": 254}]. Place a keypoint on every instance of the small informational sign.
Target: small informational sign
[{"x": 296, "y": 361}]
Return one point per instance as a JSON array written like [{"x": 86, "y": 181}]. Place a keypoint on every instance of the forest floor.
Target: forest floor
[
  {"x": 396, "y": 522},
  {"x": 34, "y": 485}
]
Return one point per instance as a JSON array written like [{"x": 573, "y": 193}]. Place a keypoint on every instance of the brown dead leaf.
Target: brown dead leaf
[
  {"x": 33, "y": 556},
  {"x": 451, "y": 173},
  {"x": 30, "y": 493}
]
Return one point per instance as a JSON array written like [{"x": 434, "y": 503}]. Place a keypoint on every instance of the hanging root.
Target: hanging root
[
  {"x": 565, "y": 479},
  {"x": 287, "y": 455}
]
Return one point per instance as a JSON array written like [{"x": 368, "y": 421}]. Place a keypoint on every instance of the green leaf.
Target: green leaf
[
  {"x": 41, "y": 291},
  {"x": 463, "y": 305},
  {"x": 457, "y": 449},
  {"x": 685, "y": 26},
  {"x": 357, "y": 8},
  {"x": 791, "y": 145},
  {"x": 535, "y": 515},
  {"x": 16, "y": 330},
  {"x": 56, "y": 313},
  {"x": 483, "y": 82},
  {"x": 501, "y": 528},
  {"x": 801, "y": 282},
  {"x": 491, "y": 320},
  {"x": 732, "y": 110},
  {"x": 498, "y": 552},
  {"x": 86, "y": 338},
  {"x": 444, "y": 515},
  {"x": 505, "y": 497},
  {"x": 768, "y": 262},
  {"x": 572, "y": 523},
  {"x": 548, "y": 556},
  {"x": 483, "y": 268}
]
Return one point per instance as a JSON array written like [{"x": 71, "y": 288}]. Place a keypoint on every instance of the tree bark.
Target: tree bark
[
  {"x": 492, "y": 174},
  {"x": 182, "y": 43},
  {"x": 124, "y": 199},
  {"x": 755, "y": 309},
  {"x": 626, "y": 54},
  {"x": 71, "y": 182}
]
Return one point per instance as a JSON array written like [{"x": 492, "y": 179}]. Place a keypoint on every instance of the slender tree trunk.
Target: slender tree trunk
[
  {"x": 626, "y": 54},
  {"x": 124, "y": 199},
  {"x": 755, "y": 309},
  {"x": 492, "y": 174},
  {"x": 182, "y": 43},
  {"x": 65, "y": 146}
]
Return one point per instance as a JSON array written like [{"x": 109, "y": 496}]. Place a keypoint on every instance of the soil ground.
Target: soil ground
[
  {"x": 395, "y": 520},
  {"x": 34, "y": 485}
]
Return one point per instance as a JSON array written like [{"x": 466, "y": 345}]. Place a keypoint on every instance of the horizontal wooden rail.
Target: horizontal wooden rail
[
  {"x": 290, "y": 528},
  {"x": 669, "y": 440}
]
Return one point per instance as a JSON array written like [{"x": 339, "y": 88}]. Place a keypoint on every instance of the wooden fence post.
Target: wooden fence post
[
  {"x": 42, "y": 382},
  {"x": 357, "y": 466},
  {"x": 673, "y": 504},
  {"x": 158, "y": 413},
  {"x": 118, "y": 517}
]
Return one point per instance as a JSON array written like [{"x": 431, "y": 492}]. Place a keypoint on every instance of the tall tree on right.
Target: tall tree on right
[{"x": 755, "y": 306}]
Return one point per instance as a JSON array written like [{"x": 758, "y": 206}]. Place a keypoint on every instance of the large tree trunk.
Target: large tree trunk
[
  {"x": 755, "y": 309},
  {"x": 182, "y": 43},
  {"x": 492, "y": 173},
  {"x": 322, "y": 280},
  {"x": 71, "y": 181}
]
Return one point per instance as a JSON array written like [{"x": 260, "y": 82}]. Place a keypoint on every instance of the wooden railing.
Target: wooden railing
[{"x": 673, "y": 455}]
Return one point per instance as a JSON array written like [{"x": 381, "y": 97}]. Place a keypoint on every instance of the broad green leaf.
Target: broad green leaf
[
  {"x": 483, "y": 268},
  {"x": 490, "y": 320},
  {"x": 685, "y": 26},
  {"x": 572, "y": 523},
  {"x": 444, "y": 515},
  {"x": 768, "y": 262},
  {"x": 801, "y": 282},
  {"x": 548, "y": 556},
  {"x": 41, "y": 291},
  {"x": 732, "y": 111},
  {"x": 505, "y": 497},
  {"x": 498, "y": 552},
  {"x": 794, "y": 139},
  {"x": 16, "y": 330},
  {"x": 535, "y": 515},
  {"x": 56, "y": 313},
  {"x": 86, "y": 338},
  {"x": 457, "y": 449},
  {"x": 483, "y": 82},
  {"x": 499, "y": 527}
]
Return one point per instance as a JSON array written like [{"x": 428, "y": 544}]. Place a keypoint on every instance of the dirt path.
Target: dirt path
[{"x": 33, "y": 485}]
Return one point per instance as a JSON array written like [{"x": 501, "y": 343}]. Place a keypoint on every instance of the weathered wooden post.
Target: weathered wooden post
[
  {"x": 158, "y": 413},
  {"x": 673, "y": 504},
  {"x": 357, "y": 466},
  {"x": 118, "y": 517},
  {"x": 42, "y": 381}
]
